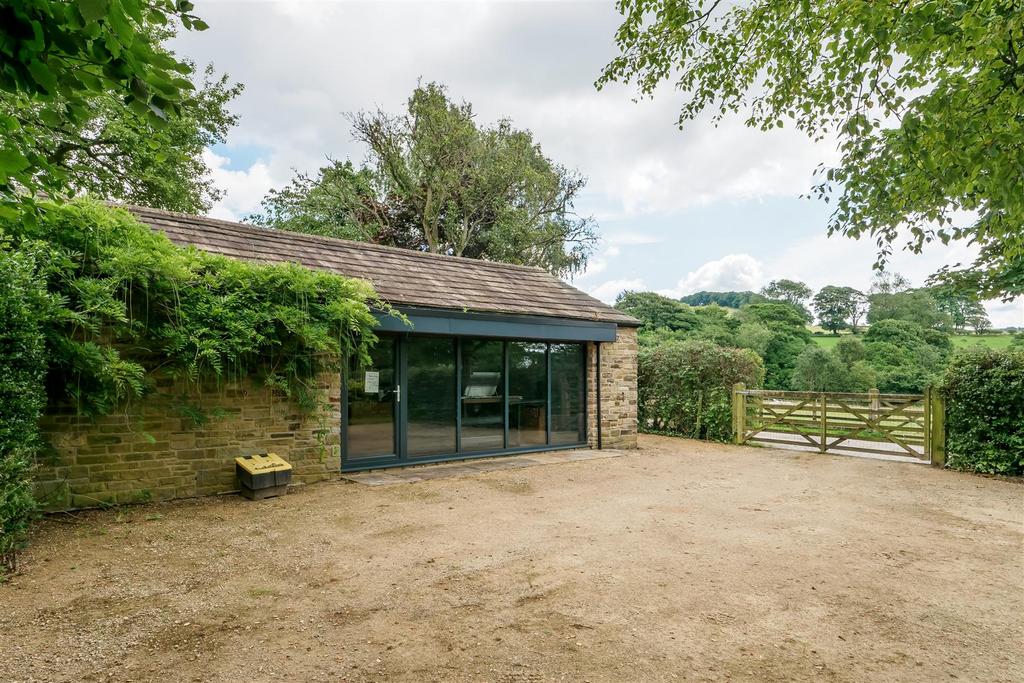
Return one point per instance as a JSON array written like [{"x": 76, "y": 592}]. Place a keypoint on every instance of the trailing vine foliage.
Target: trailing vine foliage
[{"x": 96, "y": 305}]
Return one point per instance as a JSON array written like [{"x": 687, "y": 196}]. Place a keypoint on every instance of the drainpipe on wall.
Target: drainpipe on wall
[{"x": 597, "y": 346}]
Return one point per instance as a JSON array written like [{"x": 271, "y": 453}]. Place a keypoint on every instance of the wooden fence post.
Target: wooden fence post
[
  {"x": 874, "y": 404},
  {"x": 739, "y": 411},
  {"x": 926, "y": 407},
  {"x": 824, "y": 424},
  {"x": 937, "y": 432}
]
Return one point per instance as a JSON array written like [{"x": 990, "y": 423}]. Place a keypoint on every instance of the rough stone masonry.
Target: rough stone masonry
[{"x": 156, "y": 449}]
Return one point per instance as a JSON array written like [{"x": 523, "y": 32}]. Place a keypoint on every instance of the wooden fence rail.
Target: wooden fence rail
[{"x": 911, "y": 425}]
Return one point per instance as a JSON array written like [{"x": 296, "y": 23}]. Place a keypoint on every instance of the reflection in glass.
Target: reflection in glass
[
  {"x": 431, "y": 391},
  {"x": 483, "y": 406},
  {"x": 567, "y": 418},
  {"x": 527, "y": 394},
  {"x": 371, "y": 403}
]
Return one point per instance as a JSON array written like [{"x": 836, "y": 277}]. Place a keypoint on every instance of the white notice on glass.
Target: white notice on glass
[{"x": 371, "y": 383}]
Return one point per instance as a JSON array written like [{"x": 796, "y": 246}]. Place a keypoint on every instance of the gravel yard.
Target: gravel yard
[{"x": 680, "y": 561}]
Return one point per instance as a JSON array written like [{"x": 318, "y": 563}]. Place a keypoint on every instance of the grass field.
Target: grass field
[{"x": 993, "y": 341}]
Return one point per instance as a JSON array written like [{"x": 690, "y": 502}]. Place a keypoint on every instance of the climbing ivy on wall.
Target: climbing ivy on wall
[{"x": 99, "y": 304}]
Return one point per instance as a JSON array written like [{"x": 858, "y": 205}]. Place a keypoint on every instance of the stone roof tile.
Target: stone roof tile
[{"x": 402, "y": 277}]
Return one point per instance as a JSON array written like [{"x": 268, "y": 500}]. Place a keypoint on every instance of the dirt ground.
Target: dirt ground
[{"x": 680, "y": 561}]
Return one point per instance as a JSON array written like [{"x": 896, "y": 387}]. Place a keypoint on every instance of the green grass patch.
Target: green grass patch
[
  {"x": 992, "y": 341},
  {"x": 829, "y": 342}
]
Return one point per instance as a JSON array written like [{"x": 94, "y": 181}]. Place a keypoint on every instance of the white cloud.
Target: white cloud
[
  {"x": 534, "y": 63},
  {"x": 731, "y": 272},
  {"x": 607, "y": 291},
  {"x": 243, "y": 188},
  {"x": 1008, "y": 314}
]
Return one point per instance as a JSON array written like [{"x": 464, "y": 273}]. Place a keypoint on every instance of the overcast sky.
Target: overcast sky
[{"x": 679, "y": 211}]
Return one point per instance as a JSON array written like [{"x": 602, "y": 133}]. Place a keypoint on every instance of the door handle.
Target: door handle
[{"x": 398, "y": 393}]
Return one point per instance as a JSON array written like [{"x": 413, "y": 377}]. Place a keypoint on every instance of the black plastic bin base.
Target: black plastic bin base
[
  {"x": 263, "y": 479},
  {"x": 265, "y": 492}
]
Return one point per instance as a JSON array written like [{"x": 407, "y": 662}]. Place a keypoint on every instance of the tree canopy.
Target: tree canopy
[
  {"x": 339, "y": 201},
  {"x": 818, "y": 369},
  {"x": 790, "y": 291},
  {"x": 666, "y": 319},
  {"x": 926, "y": 99},
  {"x": 906, "y": 356},
  {"x": 658, "y": 312},
  {"x": 116, "y": 154},
  {"x": 73, "y": 76},
  {"x": 787, "y": 338},
  {"x": 963, "y": 310},
  {"x": 839, "y": 307},
  {"x": 727, "y": 299},
  {"x": 913, "y": 305},
  {"x": 440, "y": 182}
]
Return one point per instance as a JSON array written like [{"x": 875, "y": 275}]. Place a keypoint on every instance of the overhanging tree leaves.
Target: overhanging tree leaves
[
  {"x": 58, "y": 58},
  {"x": 926, "y": 98},
  {"x": 119, "y": 155}
]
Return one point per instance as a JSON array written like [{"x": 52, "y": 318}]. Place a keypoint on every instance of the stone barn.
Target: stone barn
[{"x": 494, "y": 359}]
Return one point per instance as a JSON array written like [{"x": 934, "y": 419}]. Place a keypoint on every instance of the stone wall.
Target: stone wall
[
  {"x": 618, "y": 391},
  {"x": 156, "y": 451}
]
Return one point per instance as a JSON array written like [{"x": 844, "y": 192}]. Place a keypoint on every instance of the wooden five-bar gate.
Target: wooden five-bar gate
[{"x": 908, "y": 425}]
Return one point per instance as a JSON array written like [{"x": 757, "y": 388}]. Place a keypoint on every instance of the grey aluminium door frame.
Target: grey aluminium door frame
[{"x": 401, "y": 410}]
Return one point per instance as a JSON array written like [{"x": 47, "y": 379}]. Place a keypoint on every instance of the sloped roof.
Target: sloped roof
[{"x": 402, "y": 277}]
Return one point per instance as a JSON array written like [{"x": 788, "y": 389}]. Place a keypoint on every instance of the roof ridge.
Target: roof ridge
[{"x": 249, "y": 227}]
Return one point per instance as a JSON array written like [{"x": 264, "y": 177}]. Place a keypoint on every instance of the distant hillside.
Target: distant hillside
[{"x": 727, "y": 299}]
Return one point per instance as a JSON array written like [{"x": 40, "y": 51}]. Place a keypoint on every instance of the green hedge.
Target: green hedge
[
  {"x": 685, "y": 387},
  {"x": 984, "y": 390},
  {"x": 23, "y": 299}
]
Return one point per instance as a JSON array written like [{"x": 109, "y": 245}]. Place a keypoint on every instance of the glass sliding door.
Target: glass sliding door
[
  {"x": 527, "y": 394},
  {"x": 483, "y": 395},
  {"x": 433, "y": 397},
  {"x": 371, "y": 398},
  {"x": 430, "y": 396},
  {"x": 567, "y": 398}
]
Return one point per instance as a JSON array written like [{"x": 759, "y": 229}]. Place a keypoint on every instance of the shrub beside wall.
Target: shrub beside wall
[
  {"x": 685, "y": 387},
  {"x": 984, "y": 392},
  {"x": 22, "y": 368}
]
